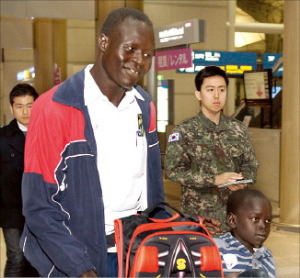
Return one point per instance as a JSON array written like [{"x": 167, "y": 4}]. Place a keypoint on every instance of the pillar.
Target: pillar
[
  {"x": 50, "y": 48},
  {"x": 290, "y": 143},
  {"x": 2, "y": 94},
  {"x": 105, "y": 7},
  {"x": 43, "y": 55},
  {"x": 60, "y": 46},
  {"x": 229, "y": 108}
]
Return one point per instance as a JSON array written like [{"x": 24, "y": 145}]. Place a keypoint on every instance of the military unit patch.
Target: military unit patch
[{"x": 174, "y": 137}]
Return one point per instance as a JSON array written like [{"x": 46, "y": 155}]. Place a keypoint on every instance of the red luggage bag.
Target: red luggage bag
[{"x": 179, "y": 246}]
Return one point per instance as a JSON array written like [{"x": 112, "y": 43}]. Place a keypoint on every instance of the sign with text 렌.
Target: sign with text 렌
[{"x": 173, "y": 59}]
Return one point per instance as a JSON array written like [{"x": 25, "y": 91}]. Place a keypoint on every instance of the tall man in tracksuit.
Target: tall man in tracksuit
[{"x": 92, "y": 155}]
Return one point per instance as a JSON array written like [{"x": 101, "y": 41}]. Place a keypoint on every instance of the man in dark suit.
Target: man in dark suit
[{"x": 12, "y": 142}]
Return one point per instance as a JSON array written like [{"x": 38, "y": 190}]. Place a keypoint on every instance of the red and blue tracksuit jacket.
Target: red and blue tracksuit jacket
[{"x": 64, "y": 233}]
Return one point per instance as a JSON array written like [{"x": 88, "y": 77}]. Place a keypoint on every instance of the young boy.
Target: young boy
[{"x": 249, "y": 215}]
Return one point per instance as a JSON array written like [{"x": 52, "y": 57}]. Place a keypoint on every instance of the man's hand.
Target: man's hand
[
  {"x": 235, "y": 187},
  {"x": 90, "y": 273},
  {"x": 212, "y": 225},
  {"x": 228, "y": 177}
]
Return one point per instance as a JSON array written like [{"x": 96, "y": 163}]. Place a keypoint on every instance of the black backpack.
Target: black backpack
[{"x": 179, "y": 246}]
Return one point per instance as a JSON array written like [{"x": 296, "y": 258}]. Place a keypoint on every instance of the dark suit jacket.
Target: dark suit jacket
[{"x": 12, "y": 142}]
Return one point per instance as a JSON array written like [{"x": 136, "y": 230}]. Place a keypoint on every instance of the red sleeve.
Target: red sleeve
[{"x": 52, "y": 126}]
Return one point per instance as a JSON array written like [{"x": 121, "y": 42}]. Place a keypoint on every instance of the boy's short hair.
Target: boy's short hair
[
  {"x": 209, "y": 71},
  {"x": 22, "y": 89},
  {"x": 116, "y": 17},
  {"x": 239, "y": 197}
]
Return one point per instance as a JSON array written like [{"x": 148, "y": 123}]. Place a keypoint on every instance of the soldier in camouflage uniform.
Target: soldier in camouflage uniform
[{"x": 208, "y": 150}]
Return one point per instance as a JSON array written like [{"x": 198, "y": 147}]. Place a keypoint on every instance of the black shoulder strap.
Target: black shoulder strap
[{"x": 158, "y": 205}]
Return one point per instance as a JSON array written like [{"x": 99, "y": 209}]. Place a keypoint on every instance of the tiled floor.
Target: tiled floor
[
  {"x": 285, "y": 248},
  {"x": 285, "y": 245}
]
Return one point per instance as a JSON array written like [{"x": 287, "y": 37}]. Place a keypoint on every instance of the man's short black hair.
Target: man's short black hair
[
  {"x": 116, "y": 17},
  {"x": 22, "y": 89},
  {"x": 239, "y": 197},
  {"x": 209, "y": 71}
]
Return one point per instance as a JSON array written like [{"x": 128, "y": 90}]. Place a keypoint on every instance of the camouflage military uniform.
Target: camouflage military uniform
[{"x": 198, "y": 150}]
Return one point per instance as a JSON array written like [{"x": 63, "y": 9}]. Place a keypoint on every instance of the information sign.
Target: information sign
[
  {"x": 180, "y": 33},
  {"x": 269, "y": 60},
  {"x": 173, "y": 59},
  {"x": 233, "y": 63},
  {"x": 258, "y": 86}
]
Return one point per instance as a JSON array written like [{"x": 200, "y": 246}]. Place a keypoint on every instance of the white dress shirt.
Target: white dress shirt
[{"x": 121, "y": 152}]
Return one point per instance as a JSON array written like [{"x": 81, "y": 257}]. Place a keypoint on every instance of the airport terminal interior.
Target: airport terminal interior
[{"x": 44, "y": 42}]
